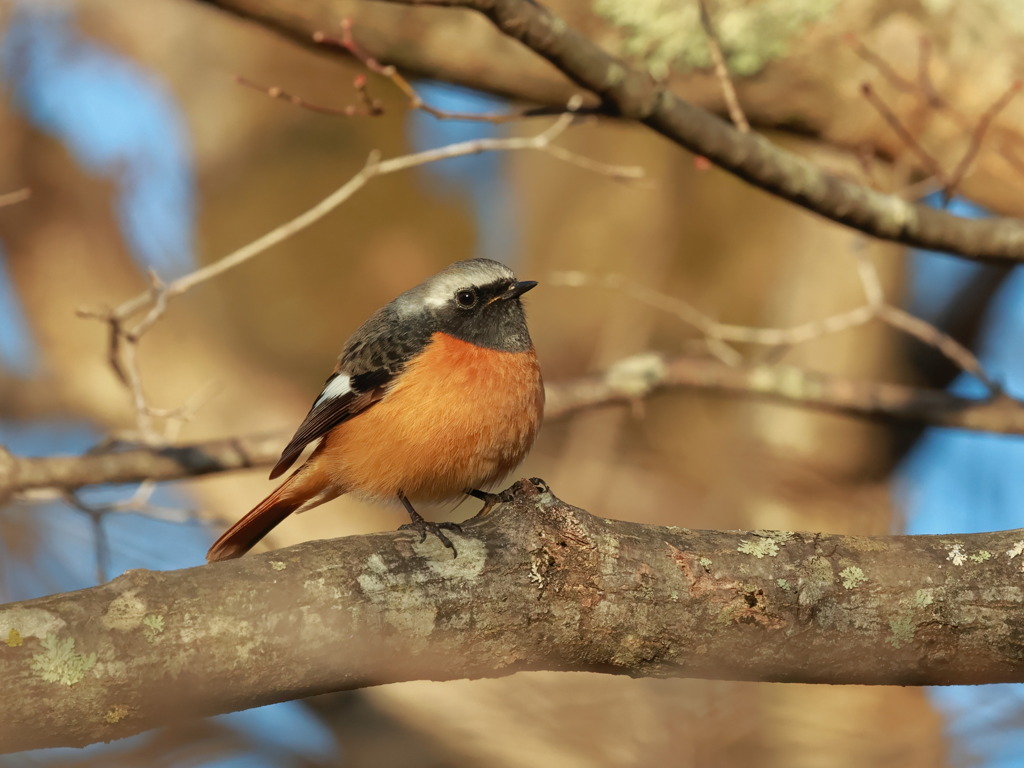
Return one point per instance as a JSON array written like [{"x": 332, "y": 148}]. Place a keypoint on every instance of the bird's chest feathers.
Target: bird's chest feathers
[
  {"x": 459, "y": 416},
  {"x": 457, "y": 385}
]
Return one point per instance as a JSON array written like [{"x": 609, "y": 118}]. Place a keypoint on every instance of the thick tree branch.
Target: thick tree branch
[
  {"x": 634, "y": 94},
  {"x": 537, "y": 585},
  {"x": 628, "y": 381}
]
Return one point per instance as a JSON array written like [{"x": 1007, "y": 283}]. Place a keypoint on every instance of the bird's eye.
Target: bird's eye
[{"x": 465, "y": 298}]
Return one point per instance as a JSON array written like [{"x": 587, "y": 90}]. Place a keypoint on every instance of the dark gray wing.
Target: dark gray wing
[{"x": 372, "y": 358}]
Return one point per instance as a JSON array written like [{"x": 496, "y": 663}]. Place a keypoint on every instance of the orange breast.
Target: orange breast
[{"x": 460, "y": 416}]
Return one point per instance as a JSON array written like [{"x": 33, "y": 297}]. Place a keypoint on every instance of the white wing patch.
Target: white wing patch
[{"x": 338, "y": 386}]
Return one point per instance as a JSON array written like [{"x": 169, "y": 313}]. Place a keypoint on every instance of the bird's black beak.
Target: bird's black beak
[{"x": 518, "y": 289}]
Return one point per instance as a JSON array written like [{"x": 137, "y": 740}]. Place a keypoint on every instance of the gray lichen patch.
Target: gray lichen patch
[
  {"x": 116, "y": 714},
  {"x": 1005, "y": 594},
  {"x": 467, "y": 566},
  {"x": 28, "y": 622},
  {"x": 614, "y": 75},
  {"x": 667, "y": 35},
  {"x": 956, "y": 555},
  {"x": 901, "y": 631},
  {"x": 125, "y": 612},
  {"x": 852, "y": 577},
  {"x": 766, "y": 545},
  {"x": 923, "y": 598},
  {"x": 816, "y": 580},
  {"x": 636, "y": 376},
  {"x": 401, "y": 606},
  {"x": 153, "y": 626},
  {"x": 374, "y": 577},
  {"x": 789, "y": 381},
  {"x": 556, "y": 24},
  {"x": 759, "y": 548},
  {"x": 59, "y": 662}
]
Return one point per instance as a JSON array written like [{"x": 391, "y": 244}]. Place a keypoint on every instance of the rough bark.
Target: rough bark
[{"x": 538, "y": 584}]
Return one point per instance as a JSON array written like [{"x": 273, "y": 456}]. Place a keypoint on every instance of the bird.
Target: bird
[{"x": 438, "y": 394}]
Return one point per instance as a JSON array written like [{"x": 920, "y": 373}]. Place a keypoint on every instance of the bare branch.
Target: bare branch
[
  {"x": 18, "y": 196},
  {"x": 633, "y": 94},
  {"x": 928, "y": 334},
  {"x": 275, "y": 92},
  {"x": 883, "y": 67},
  {"x": 551, "y": 587},
  {"x": 634, "y": 378},
  {"x": 125, "y": 335},
  {"x": 932, "y": 99},
  {"x": 135, "y": 464},
  {"x": 374, "y": 168},
  {"x": 905, "y": 135},
  {"x": 626, "y": 382},
  {"x": 732, "y": 103},
  {"x": 719, "y": 335},
  {"x": 374, "y": 107},
  {"x": 347, "y": 42},
  {"x": 977, "y": 137}
]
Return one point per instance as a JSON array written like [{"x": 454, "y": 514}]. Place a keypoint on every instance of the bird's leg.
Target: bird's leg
[
  {"x": 490, "y": 500},
  {"x": 424, "y": 526}
]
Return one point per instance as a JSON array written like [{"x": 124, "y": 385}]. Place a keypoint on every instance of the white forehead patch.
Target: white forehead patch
[
  {"x": 337, "y": 387},
  {"x": 440, "y": 288}
]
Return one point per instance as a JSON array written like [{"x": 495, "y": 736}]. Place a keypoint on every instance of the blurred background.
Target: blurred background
[{"x": 142, "y": 152}]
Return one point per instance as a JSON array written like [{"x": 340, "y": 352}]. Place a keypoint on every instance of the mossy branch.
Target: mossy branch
[{"x": 538, "y": 584}]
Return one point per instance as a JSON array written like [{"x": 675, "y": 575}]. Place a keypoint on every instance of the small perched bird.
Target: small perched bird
[{"x": 437, "y": 395}]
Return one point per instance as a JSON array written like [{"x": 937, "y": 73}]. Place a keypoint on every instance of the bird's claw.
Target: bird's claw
[
  {"x": 490, "y": 500},
  {"x": 425, "y": 526}
]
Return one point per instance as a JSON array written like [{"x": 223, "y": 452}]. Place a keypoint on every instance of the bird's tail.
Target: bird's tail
[{"x": 304, "y": 489}]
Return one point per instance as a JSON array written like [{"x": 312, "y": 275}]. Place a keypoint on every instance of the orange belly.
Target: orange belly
[{"x": 460, "y": 416}]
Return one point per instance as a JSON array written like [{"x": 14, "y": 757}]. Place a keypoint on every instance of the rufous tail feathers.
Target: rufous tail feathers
[{"x": 296, "y": 492}]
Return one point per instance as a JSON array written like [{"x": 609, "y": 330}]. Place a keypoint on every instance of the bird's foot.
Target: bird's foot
[
  {"x": 418, "y": 523},
  {"x": 490, "y": 500}
]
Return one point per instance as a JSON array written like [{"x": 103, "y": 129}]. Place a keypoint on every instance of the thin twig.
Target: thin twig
[
  {"x": 932, "y": 96},
  {"x": 372, "y": 107},
  {"x": 720, "y": 335},
  {"x": 868, "y": 275},
  {"x": 933, "y": 166},
  {"x": 718, "y": 331},
  {"x": 100, "y": 538},
  {"x": 883, "y": 67},
  {"x": 125, "y": 335},
  {"x": 732, "y": 103},
  {"x": 928, "y": 334},
  {"x": 276, "y": 92},
  {"x": 374, "y": 168},
  {"x": 925, "y": 88},
  {"x": 17, "y": 196},
  {"x": 977, "y": 136},
  {"x": 348, "y": 43}
]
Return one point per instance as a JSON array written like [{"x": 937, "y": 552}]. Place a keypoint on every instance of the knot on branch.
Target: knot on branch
[{"x": 531, "y": 511}]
